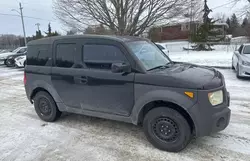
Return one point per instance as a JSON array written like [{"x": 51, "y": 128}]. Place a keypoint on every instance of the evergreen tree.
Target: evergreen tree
[
  {"x": 229, "y": 26},
  {"x": 49, "y": 31},
  {"x": 205, "y": 32},
  {"x": 38, "y": 35},
  {"x": 234, "y": 24},
  {"x": 245, "y": 23}
]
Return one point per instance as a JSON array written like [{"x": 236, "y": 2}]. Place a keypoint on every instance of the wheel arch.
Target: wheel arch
[
  {"x": 43, "y": 86},
  {"x": 162, "y": 103}
]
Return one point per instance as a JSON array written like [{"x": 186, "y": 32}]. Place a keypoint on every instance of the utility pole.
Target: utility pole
[
  {"x": 21, "y": 13},
  {"x": 38, "y": 26}
]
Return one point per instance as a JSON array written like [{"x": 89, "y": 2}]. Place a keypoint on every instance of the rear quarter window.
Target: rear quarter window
[{"x": 39, "y": 55}]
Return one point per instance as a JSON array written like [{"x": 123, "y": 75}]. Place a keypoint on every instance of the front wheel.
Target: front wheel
[
  {"x": 167, "y": 129},
  {"x": 238, "y": 71}
]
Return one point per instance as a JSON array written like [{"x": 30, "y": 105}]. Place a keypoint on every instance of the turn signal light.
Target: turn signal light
[{"x": 189, "y": 94}]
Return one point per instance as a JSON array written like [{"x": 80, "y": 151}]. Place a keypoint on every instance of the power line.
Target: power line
[
  {"x": 14, "y": 15},
  {"x": 223, "y": 5}
]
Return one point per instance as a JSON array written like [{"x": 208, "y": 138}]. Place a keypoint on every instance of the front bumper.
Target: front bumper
[
  {"x": 19, "y": 64},
  {"x": 207, "y": 118},
  {"x": 244, "y": 71}
]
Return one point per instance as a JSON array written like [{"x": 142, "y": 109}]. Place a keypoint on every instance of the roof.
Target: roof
[{"x": 50, "y": 40}]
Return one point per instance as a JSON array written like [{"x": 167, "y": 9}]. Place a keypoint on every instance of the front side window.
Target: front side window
[
  {"x": 65, "y": 55},
  {"x": 240, "y": 48},
  {"x": 102, "y": 56},
  {"x": 149, "y": 54},
  {"x": 247, "y": 49}
]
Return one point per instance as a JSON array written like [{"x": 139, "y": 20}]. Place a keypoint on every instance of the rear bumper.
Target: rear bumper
[{"x": 210, "y": 119}]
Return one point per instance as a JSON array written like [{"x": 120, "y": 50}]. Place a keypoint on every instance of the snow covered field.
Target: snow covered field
[
  {"x": 24, "y": 137},
  {"x": 220, "y": 57}
]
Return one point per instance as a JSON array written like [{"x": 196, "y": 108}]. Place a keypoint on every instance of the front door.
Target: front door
[{"x": 102, "y": 90}]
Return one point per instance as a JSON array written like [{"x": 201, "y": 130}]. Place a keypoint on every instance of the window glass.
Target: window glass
[
  {"x": 247, "y": 49},
  {"x": 149, "y": 54},
  {"x": 160, "y": 47},
  {"x": 22, "y": 50},
  {"x": 43, "y": 57},
  {"x": 240, "y": 49},
  {"x": 65, "y": 55},
  {"x": 38, "y": 55},
  {"x": 102, "y": 56}
]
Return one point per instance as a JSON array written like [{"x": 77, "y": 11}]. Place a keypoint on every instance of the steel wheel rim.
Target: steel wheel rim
[
  {"x": 165, "y": 129},
  {"x": 44, "y": 107}
]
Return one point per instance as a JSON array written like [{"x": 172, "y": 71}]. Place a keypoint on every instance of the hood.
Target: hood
[
  {"x": 6, "y": 54},
  {"x": 14, "y": 55},
  {"x": 190, "y": 76}
]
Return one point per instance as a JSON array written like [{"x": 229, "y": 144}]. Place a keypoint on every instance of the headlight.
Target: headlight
[
  {"x": 245, "y": 63},
  {"x": 18, "y": 58},
  {"x": 215, "y": 98}
]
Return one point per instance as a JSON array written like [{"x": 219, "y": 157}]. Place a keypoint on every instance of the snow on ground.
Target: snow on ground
[
  {"x": 24, "y": 137},
  {"x": 220, "y": 57}
]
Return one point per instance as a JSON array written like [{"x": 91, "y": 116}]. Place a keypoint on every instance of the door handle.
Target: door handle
[
  {"x": 84, "y": 79},
  {"x": 81, "y": 80}
]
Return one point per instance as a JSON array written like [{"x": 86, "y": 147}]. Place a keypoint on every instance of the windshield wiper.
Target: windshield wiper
[{"x": 161, "y": 66}]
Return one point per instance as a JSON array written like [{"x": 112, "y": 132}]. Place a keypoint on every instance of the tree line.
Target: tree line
[
  {"x": 10, "y": 41},
  {"x": 236, "y": 28}
]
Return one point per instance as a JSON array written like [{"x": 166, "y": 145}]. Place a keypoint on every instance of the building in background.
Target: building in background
[{"x": 181, "y": 31}]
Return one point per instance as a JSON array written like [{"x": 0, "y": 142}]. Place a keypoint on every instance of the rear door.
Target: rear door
[{"x": 63, "y": 70}]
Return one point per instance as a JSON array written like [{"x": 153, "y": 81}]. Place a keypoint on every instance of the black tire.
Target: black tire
[
  {"x": 5, "y": 62},
  {"x": 167, "y": 129},
  {"x": 24, "y": 64},
  {"x": 45, "y": 107},
  {"x": 238, "y": 72},
  {"x": 233, "y": 67}
]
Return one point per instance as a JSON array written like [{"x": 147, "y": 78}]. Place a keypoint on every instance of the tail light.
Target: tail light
[{"x": 24, "y": 79}]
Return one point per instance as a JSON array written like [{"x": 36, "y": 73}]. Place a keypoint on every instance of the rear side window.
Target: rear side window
[
  {"x": 39, "y": 55},
  {"x": 65, "y": 55},
  {"x": 102, "y": 56}
]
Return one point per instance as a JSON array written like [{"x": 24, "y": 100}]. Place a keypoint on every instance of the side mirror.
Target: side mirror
[{"x": 120, "y": 68}]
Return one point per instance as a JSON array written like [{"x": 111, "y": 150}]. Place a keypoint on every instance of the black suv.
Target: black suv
[{"x": 126, "y": 79}]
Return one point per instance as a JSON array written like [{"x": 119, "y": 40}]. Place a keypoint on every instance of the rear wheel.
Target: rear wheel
[
  {"x": 45, "y": 107},
  {"x": 167, "y": 129}
]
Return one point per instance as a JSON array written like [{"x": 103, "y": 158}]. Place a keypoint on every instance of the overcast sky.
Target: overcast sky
[{"x": 42, "y": 9}]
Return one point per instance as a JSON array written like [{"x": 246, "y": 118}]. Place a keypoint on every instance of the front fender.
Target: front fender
[{"x": 174, "y": 96}]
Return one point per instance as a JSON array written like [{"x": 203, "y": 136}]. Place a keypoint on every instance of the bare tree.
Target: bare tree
[
  {"x": 245, "y": 10},
  {"x": 194, "y": 10},
  {"x": 123, "y": 17},
  {"x": 220, "y": 17}
]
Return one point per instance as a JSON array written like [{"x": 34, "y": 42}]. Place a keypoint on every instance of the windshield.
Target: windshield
[
  {"x": 149, "y": 54},
  {"x": 247, "y": 49}
]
